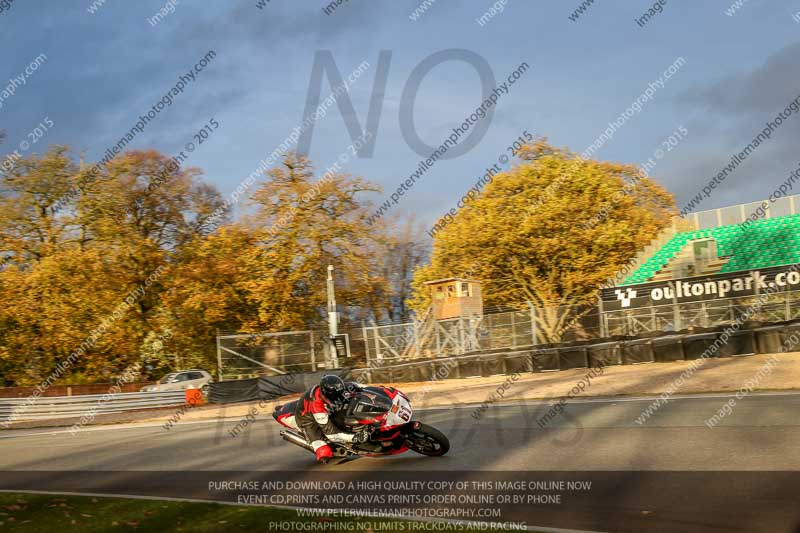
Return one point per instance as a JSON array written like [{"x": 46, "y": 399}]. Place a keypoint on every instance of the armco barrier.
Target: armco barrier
[
  {"x": 53, "y": 407},
  {"x": 73, "y": 390}
]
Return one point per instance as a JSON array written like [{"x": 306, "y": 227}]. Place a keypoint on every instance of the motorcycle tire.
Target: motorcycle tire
[{"x": 427, "y": 440}]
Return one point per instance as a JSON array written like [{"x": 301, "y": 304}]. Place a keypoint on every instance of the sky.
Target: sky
[{"x": 106, "y": 65}]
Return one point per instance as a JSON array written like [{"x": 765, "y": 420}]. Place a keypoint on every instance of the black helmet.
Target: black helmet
[{"x": 332, "y": 387}]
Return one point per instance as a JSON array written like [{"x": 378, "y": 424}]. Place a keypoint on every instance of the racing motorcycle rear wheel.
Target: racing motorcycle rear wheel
[{"x": 427, "y": 440}]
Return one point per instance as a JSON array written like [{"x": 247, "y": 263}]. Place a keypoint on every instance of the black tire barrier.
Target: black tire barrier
[
  {"x": 605, "y": 354},
  {"x": 790, "y": 337},
  {"x": 492, "y": 365},
  {"x": 667, "y": 349},
  {"x": 740, "y": 343},
  {"x": 444, "y": 369},
  {"x": 403, "y": 373},
  {"x": 637, "y": 352},
  {"x": 242, "y": 390},
  {"x": 519, "y": 363},
  {"x": 271, "y": 387},
  {"x": 470, "y": 367},
  {"x": 362, "y": 375},
  {"x": 694, "y": 346},
  {"x": 573, "y": 357},
  {"x": 421, "y": 373},
  {"x": 426, "y": 372},
  {"x": 267, "y": 387},
  {"x": 768, "y": 340},
  {"x": 546, "y": 360},
  {"x": 380, "y": 376}
]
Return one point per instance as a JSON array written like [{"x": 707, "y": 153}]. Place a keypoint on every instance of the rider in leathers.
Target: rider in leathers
[{"x": 315, "y": 409}]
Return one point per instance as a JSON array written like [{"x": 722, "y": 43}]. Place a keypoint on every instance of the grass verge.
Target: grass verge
[{"x": 44, "y": 512}]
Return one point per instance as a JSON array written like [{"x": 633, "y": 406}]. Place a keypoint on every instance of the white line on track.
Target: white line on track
[{"x": 615, "y": 399}]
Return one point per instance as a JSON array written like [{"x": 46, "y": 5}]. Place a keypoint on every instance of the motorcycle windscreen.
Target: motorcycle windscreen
[
  {"x": 367, "y": 408},
  {"x": 370, "y": 404},
  {"x": 400, "y": 412}
]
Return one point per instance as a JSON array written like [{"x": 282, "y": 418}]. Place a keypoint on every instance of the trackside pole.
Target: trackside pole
[
  {"x": 333, "y": 320},
  {"x": 219, "y": 359}
]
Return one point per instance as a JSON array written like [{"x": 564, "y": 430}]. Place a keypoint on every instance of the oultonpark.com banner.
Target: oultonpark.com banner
[{"x": 703, "y": 288}]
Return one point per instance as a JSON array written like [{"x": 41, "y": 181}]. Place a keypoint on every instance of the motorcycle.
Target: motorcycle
[{"x": 384, "y": 414}]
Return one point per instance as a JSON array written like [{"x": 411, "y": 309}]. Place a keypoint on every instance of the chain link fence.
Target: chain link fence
[
  {"x": 251, "y": 355},
  {"x": 776, "y": 307},
  {"x": 510, "y": 330},
  {"x": 241, "y": 356}
]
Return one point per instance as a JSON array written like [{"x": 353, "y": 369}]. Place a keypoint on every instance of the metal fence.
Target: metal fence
[
  {"x": 413, "y": 340},
  {"x": 244, "y": 356},
  {"x": 776, "y": 307},
  {"x": 527, "y": 326},
  {"x": 53, "y": 407},
  {"x": 736, "y": 214}
]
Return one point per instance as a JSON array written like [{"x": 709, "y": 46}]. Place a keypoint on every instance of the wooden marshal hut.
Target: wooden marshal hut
[{"x": 455, "y": 298}]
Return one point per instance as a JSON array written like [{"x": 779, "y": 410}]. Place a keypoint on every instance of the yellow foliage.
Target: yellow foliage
[{"x": 530, "y": 235}]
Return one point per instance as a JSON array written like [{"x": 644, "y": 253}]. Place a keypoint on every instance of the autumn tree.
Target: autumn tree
[
  {"x": 210, "y": 289},
  {"x": 78, "y": 241},
  {"x": 148, "y": 213},
  {"x": 93, "y": 261},
  {"x": 30, "y": 229},
  {"x": 33, "y": 238},
  {"x": 303, "y": 224},
  {"x": 549, "y": 231},
  {"x": 268, "y": 273},
  {"x": 404, "y": 251}
]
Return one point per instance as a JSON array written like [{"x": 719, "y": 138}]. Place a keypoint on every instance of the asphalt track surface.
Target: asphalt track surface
[{"x": 672, "y": 473}]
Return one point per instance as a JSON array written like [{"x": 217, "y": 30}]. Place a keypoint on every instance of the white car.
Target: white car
[{"x": 185, "y": 379}]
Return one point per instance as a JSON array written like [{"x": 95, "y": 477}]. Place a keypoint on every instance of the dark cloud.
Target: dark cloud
[
  {"x": 726, "y": 115},
  {"x": 761, "y": 90}
]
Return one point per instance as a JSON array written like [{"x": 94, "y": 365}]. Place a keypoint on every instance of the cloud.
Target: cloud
[
  {"x": 765, "y": 89},
  {"x": 725, "y": 116}
]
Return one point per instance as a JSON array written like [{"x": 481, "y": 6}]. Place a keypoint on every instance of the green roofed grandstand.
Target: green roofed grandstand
[{"x": 758, "y": 244}]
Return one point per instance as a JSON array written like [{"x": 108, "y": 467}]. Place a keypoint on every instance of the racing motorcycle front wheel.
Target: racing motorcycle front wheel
[{"x": 427, "y": 440}]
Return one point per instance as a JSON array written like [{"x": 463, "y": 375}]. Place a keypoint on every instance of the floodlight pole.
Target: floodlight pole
[
  {"x": 220, "y": 375},
  {"x": 333, "y": 319}
]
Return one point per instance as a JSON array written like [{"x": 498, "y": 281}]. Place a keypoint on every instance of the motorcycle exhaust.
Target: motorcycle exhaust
[{"x": 296, "y": 439}]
